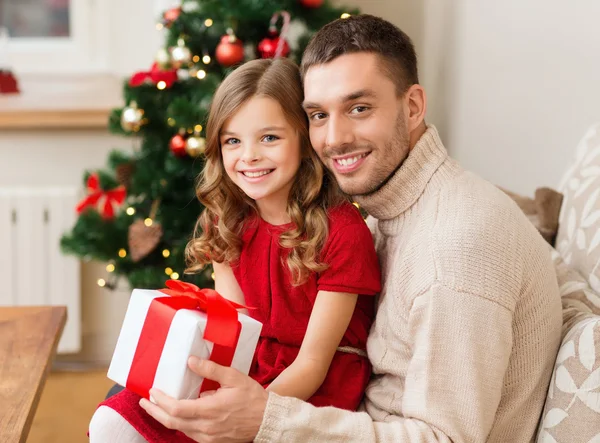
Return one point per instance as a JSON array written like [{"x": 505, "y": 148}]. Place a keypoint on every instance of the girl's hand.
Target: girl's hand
[{"x": 232, "y": 414}]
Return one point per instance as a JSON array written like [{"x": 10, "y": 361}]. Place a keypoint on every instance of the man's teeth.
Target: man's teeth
[
  {"x": 254, "y": 174},
  {"x": 350, "y": 161}
]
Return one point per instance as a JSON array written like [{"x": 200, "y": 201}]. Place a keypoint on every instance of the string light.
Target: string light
[
  {"x": 122, "y": 253},
  {"x": 101, "y": 282},
  {"x": 110, "y": 268},
  {"x": 148, "y": 222},
  {"x": 201, "y": 74},
  {"x": 212, "y": 275},
  {"x": 159, "y": 26},
  {"x": 166, "y": 253},
  {"x": 161, "y": 85},
  {"x": 174, "y": 276},
  {"x": 345, "y": 15},
  {"x": 171, "y": 121},
  {"x": 130, "y": 211},
  {"x": 198, "y": 128},
  {"x": 168, "y": 271},
  {"x": 196, "y": 58},
  {"x": 208, "y": 22},
  {"x": 206, "y": 59}
]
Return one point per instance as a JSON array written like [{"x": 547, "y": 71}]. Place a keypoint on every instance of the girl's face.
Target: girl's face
[{"x": 261, "y": 152}]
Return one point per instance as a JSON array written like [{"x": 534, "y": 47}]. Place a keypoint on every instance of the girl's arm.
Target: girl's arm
[
  {"x": 226, "y": 284},
  {"x": 328, "y": 323}
]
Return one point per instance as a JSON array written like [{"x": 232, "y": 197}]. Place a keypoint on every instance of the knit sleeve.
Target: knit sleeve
[{"x": 452, "y": 389}]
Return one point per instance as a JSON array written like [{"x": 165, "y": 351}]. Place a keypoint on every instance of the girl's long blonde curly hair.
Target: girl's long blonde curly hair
[{"x": 217, "y": 236}]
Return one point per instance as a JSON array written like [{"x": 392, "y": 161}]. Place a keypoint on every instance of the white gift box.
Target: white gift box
[{"x": 184, "y": 339}]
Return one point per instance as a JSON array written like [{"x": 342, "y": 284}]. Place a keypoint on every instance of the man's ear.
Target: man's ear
[{"x": 416, "y": 106}]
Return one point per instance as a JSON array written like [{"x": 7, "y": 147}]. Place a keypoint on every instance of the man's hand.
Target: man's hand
[{"x": 233, "y": 413}]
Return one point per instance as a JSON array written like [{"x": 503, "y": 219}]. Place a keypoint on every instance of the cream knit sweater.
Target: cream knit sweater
[{"x": 468, "y": 322}]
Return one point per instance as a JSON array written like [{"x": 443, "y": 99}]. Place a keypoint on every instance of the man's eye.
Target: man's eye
[
  {"x": 270, "y": 138},
  {"x": 359, "y": 109},
  {"x": 318, "y": 116}
]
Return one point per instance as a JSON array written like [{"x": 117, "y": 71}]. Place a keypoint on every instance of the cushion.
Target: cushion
[
  {"x": 578, "y": 238},
  {"x": 542, "y": 211},
  {"x": 572, "y": 409}
]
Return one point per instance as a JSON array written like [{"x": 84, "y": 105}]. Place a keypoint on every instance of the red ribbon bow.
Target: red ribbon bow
[
  {"x": 154, "y": 76},
  {"x": 222, "y": 329},
  {"x": 112, "y": 198}
]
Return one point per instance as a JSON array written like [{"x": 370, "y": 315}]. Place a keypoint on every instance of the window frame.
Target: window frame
[{"x": 85, "y": 51}]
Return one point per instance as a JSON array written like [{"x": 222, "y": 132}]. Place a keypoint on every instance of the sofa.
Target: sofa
[{"x": 572, "y": 410}]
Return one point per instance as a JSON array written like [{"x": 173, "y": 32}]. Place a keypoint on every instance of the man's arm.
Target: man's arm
[
  {"x": 452, "y": 388},
  {"x": 451, "y": 391}
]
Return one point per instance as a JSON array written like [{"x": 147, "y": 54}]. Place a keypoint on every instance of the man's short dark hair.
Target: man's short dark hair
[{"x": 365, "y": 33}]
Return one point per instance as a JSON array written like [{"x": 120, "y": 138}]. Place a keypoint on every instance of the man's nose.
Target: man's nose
[{"x": 339, "y": 132}]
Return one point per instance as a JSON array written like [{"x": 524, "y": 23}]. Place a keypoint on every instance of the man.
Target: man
[{"x": 469, "y": 317}]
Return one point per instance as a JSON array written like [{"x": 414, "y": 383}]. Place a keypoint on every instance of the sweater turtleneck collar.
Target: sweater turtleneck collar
[{"x": 409, "y": 181}]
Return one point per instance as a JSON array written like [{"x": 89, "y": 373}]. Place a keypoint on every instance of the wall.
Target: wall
[{"x": 522, "y": 86}]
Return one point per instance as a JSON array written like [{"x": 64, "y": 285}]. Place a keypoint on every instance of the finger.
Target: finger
[
  {"x": 161, "y": 416},
  {"x": 225, "y": 376},
  {"x": 173, "y": 407},
  {"x": 207, "y": 394}
]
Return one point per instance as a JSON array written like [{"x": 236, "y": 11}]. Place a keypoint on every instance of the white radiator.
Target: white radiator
[{"x": 33, "y": 271}]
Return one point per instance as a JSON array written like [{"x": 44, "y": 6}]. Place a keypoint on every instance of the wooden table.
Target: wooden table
[{"x": 28, "y": 340}]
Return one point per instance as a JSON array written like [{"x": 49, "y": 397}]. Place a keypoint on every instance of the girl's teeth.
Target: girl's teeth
[
  {"x": 350, "y": 161},
  {"x": 253, "y": 174}
]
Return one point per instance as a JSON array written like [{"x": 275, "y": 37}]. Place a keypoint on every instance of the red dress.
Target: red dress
[{"x": 284, "y": 311}]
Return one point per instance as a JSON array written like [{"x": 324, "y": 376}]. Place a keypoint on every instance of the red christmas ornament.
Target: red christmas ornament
[
  {"x": 276, "y": 45},
  {"x": 311, "y": 3},
  {"x": 230, "y": 50},
  {"x": 177, "y": 146},
  {"x": 170, "y": 16},
  {"x": 268, "y": 47}
]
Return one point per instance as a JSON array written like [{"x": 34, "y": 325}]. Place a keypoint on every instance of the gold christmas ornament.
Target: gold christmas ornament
[
  {"x": 181, "y": 54},
  {"x": 132, "y": 118},
  {"x": 163, "y": 58},
  {"x": 195, "y": 145}
]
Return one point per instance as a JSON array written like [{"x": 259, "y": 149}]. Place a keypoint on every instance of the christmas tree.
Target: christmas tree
[{"x": 140, "y": 211}]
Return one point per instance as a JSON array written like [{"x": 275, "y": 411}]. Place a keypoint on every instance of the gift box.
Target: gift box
[{"x": 163, "y": 328}]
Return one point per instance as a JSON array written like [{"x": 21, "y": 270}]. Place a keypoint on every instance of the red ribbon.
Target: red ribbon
[
  {"x": 154, "y": 76},
  {"x": 222, "y": 329},
  {"x": 112, "y": 198}
]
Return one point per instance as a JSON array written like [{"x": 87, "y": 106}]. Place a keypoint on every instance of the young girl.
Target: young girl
[{"x": 283, "y": 240}]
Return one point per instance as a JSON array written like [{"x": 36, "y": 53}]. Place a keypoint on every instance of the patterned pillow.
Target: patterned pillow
[
  {"x": 578, "y": 239},
  {"x": 572, "y": 409}
]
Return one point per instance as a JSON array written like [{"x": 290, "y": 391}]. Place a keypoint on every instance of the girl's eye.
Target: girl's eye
[
  {"x": 232, "y": 141},
  {"x": 270, "y": 138},
  {"x": 359, "y": 109}
]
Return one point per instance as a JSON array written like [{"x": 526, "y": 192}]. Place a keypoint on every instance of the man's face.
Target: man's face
[{"x": 357, "y": 122}]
